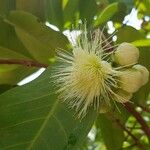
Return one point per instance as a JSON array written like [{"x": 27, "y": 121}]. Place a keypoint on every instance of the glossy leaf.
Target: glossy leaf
[
  {"x": 34, "y": 118},
  {"x": 124, "y": 36},
  {"x": 70, "y": 13},
  {"x": 54, "y": 13},
  {"x": 121, "y": 13},
  {"x": 106, "y": 14},
  {"x": 5, "y": 87},
  {"x": 9, "y": 39},
  {"x": 142, "y": 43},
  {"x": 129, "y": 3},
  {"x": 15, "y": 75},
  {"x": 40, "y": 40},
  {"x": 87, "y": 10},
  {"x": 10, "y": 54}
]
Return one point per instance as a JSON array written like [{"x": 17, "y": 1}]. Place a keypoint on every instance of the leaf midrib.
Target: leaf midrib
[{"x": 43, "y": 125}]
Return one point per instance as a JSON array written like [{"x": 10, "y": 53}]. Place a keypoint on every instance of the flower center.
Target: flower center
[{"x": 88, "y": 75}]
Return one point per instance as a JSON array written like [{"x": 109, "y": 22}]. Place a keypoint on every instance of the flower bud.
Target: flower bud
[
  {"x": 126, "y": 54},
  {"x": 130, "y": 80},
  {"x": 123, "y": 96},
  {"x": 104, "y": 107},
  {"x": 144, "y": 71}
]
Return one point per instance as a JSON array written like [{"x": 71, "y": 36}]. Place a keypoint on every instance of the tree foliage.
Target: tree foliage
[{"x": 31, "y": 116}]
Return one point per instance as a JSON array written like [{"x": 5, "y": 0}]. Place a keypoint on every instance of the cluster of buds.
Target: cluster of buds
[
  {"x": 87, "y": 77},
  {"x": 132, "y": 75}
]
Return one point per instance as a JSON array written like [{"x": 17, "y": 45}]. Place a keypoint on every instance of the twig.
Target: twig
[
  {"x": 130, "y": 129},
  {"x": 129, "y": 133},
  {"x": 122, "y": 126},
  {"x": 28, "y": 63},
  {"x": 139, "y": 118}
]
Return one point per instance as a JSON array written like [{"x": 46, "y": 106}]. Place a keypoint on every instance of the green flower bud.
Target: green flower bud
[
  {"x": 130, "y": 80},
  {"x": 126, "y": 54},
  {"x": 144, "y": 71},
  {"x": 123, "y": 96},
  {"x": 104, "y": 107}
]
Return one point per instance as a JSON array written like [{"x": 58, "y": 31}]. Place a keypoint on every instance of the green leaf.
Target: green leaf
[
  {"x": 12, "y": 76},
  {"x": 112, "y": 135},
  {"x": 129, "y": 3},
  {"x": 54, "y": 13},
  {"x": 128, "y": 34},
  {"x": 40, "y": 40},
  {"x": 106, "y": 14},
  {"x": 36, "y": 7},
  {"x": 87, "y": 9},
  {"x": 121, "y": 13},
  {"x": 9, "y": 39},
  {"x": 142, "y": 43},
  {"x": 32, "y": 117},
  {"x": 70, "y": 12},
  {"x": 10, "y": 54},
  {"x": 5, "y": 87}
]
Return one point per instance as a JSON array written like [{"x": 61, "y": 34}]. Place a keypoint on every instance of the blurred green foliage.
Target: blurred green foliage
[{"x": 24, "y": 34}]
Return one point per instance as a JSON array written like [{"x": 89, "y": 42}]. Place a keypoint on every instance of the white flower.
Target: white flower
[{"x": 85, "y": 77}]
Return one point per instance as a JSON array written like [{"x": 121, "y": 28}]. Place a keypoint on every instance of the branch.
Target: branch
[
  {"x": 130, "y": 129},
  {"x": 28, "y": 63},
  {"x": 139, "y": 118},
  {"x": 129, "y": 133}
]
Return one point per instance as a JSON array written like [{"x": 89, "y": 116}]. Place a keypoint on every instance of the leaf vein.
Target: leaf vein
[
  {"x": 61, "y": 127},
  {"x": 34, "y": 99},
  {"x": 50, "y": 114},
  {"x": 23, "y": 122},
  {"x": 15, "y": 145}
]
